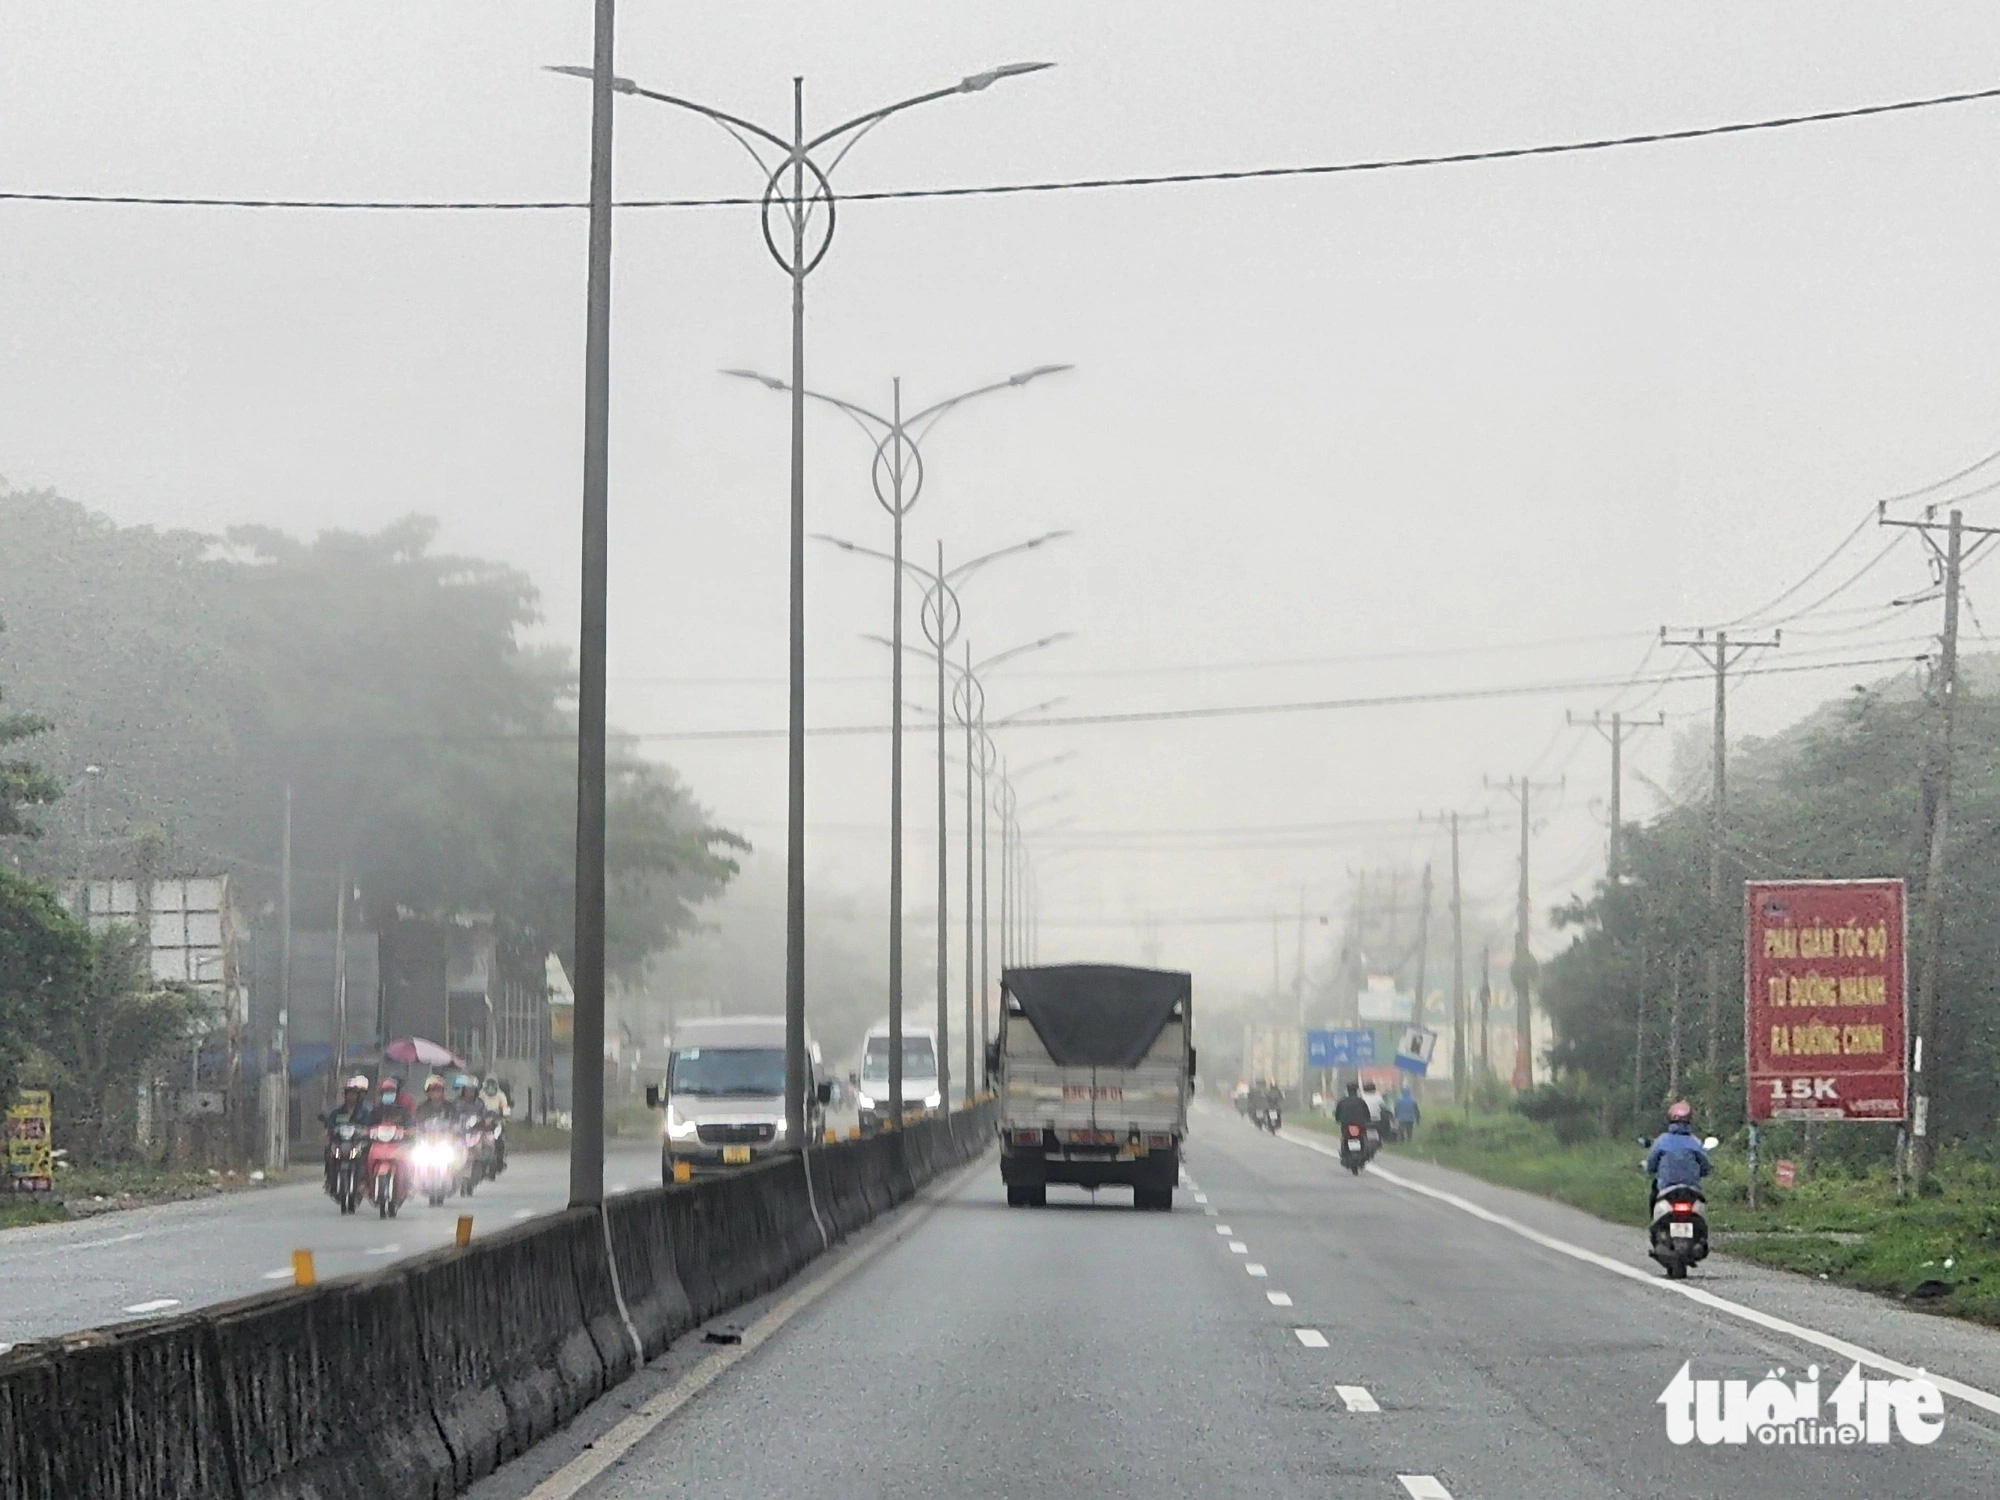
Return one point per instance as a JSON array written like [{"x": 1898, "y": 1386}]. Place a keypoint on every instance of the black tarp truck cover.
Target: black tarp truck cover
[{"x": 1097, "y": 1015}]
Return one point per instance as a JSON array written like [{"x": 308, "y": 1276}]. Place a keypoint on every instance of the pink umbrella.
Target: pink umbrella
[{"x": 415, "y": 1049}]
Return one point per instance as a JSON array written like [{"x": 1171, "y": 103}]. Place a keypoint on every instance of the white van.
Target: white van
[
  {"x": 725, "y": 1093},
  {"x": 921, "y": 1095}
]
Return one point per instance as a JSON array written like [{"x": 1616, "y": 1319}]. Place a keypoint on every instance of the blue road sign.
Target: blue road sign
[{"x": 1340, "y": 1049}]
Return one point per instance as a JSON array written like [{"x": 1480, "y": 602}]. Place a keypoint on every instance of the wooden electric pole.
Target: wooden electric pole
[
  {"x": 1616, "y": 732},
  {"x": 1951, "y": 558},
  {"x": 1721, "y": 653},
  {"x": 1522, "y": 790}
]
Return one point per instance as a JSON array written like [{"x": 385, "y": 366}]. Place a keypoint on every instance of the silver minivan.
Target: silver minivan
[{"x": 725, "y": 1093}]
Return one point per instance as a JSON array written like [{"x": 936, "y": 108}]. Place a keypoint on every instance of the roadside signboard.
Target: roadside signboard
[
  {"x": 1340, "y": 1049},
  {"x": 1785, "y": 1174},
  {"x": 30, "y": 1158},
  {"x": 1413, "y": 1052},
  {"x": 1825, "y": 1000}
]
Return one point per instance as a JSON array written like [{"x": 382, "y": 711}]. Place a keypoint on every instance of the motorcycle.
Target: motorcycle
[
  {"x": 435, "y": 1160},
  {"x": 1678, "y": 1234},
  {"x": 1268, "y": 1117},
  {"x": 346, "y": 1166},
  {"x": 1354, "y": 1152},
  {"x": 388, "y": 1183},
  {"x": 476, "y": 1156}
]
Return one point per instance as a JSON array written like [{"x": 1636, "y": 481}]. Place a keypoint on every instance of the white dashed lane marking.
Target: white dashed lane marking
[
  {"x": 1237, "y": 1247},
  {"x": 524, "y": 1213},
  {"x": 1279, "y": 1299},
  {"x": 1201, "y": 1197},
  {"x": 1224, "y": 1229},
  {"x": 389, "y": 1249},
  {"x": 283, "y": 1273},
  {"x": 1423, "y": 1487},
  {"x": 1312, "y": 1338},
  {"x": 1255, "y": 1270},
  {"x": 1356, "y": 1398},
  {"x": 158, "y": 1304}
]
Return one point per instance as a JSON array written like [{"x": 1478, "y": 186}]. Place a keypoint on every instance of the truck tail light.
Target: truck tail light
[
  {"x": 1159, "y": 1142},
  {"x": 1027, "y": 1138}
]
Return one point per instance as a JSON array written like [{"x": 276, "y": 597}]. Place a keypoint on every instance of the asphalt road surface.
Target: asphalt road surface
[
  {"x": 1287, "y": 1330},
  {"x": 148, "y": 1261}
]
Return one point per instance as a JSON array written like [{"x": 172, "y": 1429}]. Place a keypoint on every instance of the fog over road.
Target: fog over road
[
  {"x": 177, "y": 1256},
  {"x": 1087, "y": 1349}
]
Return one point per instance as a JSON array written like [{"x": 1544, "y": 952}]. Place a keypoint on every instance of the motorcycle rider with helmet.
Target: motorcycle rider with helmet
[
  {"x": 353, "y": 1109},
  {"x": 1677, "y": 1158},
  {"x": 437, "y": 1103},
  {"x": 1352, "y": 1109}
]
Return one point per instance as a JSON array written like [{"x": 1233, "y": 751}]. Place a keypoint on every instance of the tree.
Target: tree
[
  {"x": 429, "y": 745},
  {"x": 23, "y": 784},
  {"x": 106, "y": 1036},
  {"x": 45, "y": 958}
]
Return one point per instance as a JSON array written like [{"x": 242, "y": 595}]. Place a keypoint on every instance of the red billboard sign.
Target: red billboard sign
[{"x": 1824, "y": 990}]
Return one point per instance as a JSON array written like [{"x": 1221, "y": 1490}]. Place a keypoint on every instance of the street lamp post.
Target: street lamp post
[
  {"x": 899, "y": 464},
  {"x": 940, "y": 618},
  {"x": 786, "y": 194}
]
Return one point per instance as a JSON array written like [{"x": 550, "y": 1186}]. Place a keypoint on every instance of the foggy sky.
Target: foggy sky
[{"x": 1323, "y": 422}]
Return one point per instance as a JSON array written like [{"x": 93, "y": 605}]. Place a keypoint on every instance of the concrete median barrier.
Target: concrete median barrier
[
  {"x": 421, "y": 1378},
  {"x": 325, "y": 1391},
  {"x": 506, "y": 1339},
  {"x": 642, "y": 1242},
  {"x": 125, "y": 1413}
]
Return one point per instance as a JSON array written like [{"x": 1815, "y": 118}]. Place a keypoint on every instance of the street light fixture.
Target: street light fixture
[
  {"x": 941, "y": 619},
  {"x": 785, "y": 196},
  {"x": 897, "y": 474}
]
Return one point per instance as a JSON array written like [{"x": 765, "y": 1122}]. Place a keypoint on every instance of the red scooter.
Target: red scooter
[{"x": 388, "y": 1169}]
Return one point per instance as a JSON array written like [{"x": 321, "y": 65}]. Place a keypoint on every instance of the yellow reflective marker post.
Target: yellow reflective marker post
[
  {"x": 464, "y": 1235},
  {"x": 302, "y": 1268},
  {"x": 683, "y": 1171},
  {"x": 832, "y": 1136}
]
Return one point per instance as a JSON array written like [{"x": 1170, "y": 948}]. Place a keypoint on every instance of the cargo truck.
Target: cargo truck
[{"x": 1093, "y": 1068}]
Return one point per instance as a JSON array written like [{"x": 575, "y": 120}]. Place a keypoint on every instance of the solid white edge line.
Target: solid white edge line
[
  {"x": 1356, "y": 1398},
  {"x": 612, "y": 1445},
  {"x": 1423, "y": 1487},
  {"x": 1969, "y": 1394}
]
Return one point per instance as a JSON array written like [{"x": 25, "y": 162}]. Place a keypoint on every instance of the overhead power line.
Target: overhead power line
[
  {"x": 1061, "y": 185},
  {"x": 1319, "y": 705}
]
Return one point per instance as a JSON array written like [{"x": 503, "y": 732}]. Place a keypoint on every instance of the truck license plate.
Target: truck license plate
[
  {"x": 737, "y": 1156},
  {"x": 1680, "y": 1231}
]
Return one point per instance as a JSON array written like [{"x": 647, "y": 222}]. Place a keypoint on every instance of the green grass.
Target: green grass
[
  {"x": 1851, "y": 1229},
  {"x": 29, "y": 1208}
]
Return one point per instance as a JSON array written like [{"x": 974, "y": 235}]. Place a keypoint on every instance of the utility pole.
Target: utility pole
[
  {"x": 1459, "y": 1070},
  {"x": 1299, "y": 962},
  {"x": 1720, "y": 653},
  {"x": 1615, "y": 733},
  {"x": 1522, "y": 789},
  {"x": 1951, "y": 559},
  {"x": 1423, "y": 949},
  {"x": 1485, "y": 1009},
  {"x": 279, "y": 1148}
]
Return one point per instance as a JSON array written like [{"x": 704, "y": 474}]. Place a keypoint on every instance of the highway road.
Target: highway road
[
  {"x": 146, "y": 1261},
  {"x": 1286, "y": 1330}
]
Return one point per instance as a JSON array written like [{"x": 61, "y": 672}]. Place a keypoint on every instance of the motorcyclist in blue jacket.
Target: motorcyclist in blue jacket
[{"x": 1677, "y": 1158}]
